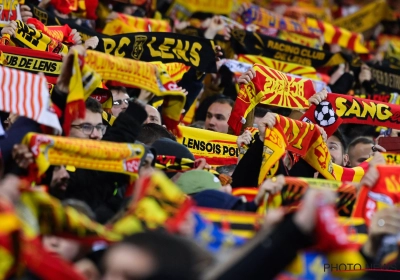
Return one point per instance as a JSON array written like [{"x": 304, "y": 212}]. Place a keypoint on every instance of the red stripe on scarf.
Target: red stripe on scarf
[{"x": 337, "y": 35}]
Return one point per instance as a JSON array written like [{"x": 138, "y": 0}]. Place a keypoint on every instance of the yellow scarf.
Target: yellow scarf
[
  {"x": 286, "y": 67},
  {"x": 340, "y": 36},
  {"x": 130, "y": 24},
  {"x": 183, "y": 9},
  {"x": 82, "y": 83},
  {"x": 367, "y": 17},
  {"x": 142, "y": 75},
  {"x": 217, "y": 148},
  {"x": 82, "y": 153},
  {"x": 36, "y": 40},
  {"x": 270, "y": 87}
]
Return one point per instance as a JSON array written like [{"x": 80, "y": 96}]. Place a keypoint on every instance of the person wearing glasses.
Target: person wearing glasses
[
  {"x": 120, "y": 100},
  {"x": 91, "y": 127}
]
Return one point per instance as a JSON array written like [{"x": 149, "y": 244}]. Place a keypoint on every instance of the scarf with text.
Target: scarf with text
[
  {"x": 392, "y": 158},
  {"x": 175, "y": 70},
  {"x": 366, "y": 18},
  {"x": 27, "y": 95},
  {"x": 385, "y": 193},
  {"x": 183, "y": 9},
  {"x": 244, "y": 42},
  {"x": 297, "y": 137},
  {"x": 217, "y": 148},
  {"x": 58, "y": 33},
  {"x": 342, "y": 174},
  {"x": 128, "y": 24},
  {"x": 238, "y": 68},
  {"x": 82, "y": 153},
  {"x": 270, "y": 87},
  {"x": 290, "y": 68},
  {"x": 324, "y": 116},
  {"x": 133, "y": 73},
  {"x": 363, "y": 111},
  {"x": 36, "y": 40},
  {"x": 10, "y": 11},
  {"x": 162, "y": 46},
  {"x": 264, "y": 18},
  {"x": 33, "y": 61},
  {"x": 300, "y": 39},
  {"x": 386, "y": 78}
]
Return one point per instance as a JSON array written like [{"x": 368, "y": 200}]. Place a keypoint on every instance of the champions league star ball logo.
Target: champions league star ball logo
[{"x": 324, "y": 114}]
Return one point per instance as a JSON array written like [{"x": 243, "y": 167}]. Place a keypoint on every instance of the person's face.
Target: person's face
[
  {"x": 66, "y": 249},
  {"x": 336, "y": 151},
  {"x": 94, "y": 119},
  {"x": 60, "y": 178},
  {"x": 125, "y": 262},
  {"x": 217, "y": 117},
  {"x": 153, "y": 116},
  {"x": 146, "y": 167},
  {"x": 122, "y": 99},
  {"x": 359, "y": 153}
]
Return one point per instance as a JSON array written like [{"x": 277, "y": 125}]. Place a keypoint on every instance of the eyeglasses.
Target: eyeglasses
[
  {"x": 119, "y": 102},
  {"x": 88, "y": 128}
]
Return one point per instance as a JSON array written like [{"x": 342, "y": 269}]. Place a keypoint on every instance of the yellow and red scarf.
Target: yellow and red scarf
[
  {"x": 217, "y": 148},
  {"x": 129, "y": 24},
  {"x": 83, "y": 153},
  {"x": 273, "y": 88},
  {"x": 36, "y": 40},
  {"x": 142, "y": 75},
  {"x": 385, "y": 193}
]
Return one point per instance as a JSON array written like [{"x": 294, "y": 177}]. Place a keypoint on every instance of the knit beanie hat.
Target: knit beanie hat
[
  {"x": 167, "y": 147},
  {"x": 195, "y": 181}
]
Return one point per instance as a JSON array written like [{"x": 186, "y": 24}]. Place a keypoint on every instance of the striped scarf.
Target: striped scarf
[{"x": 27, "y": 95}]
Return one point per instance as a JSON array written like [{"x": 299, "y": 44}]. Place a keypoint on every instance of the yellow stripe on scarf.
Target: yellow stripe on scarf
[
  {"x": 130, "y": 24},
  {"x": 339, "y": 36},
  {"x": 36, "y": 40},
  {"x": 82, "y": 83},
  {"x": 286, "y": 67},
  {"x": 217, "y": 148},
  {"x": 184, "y": 8},
  {"x": 367, "y": 17},
  {"x": 82, "y": 153},
  {"x": 139, "y": 74},
  {"x": 175, "y": 70}
]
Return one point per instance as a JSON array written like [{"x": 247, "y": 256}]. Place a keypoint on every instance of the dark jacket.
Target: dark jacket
[
  {"x": 104, "y": 191},
  {"x": 270, "y": 254}
]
